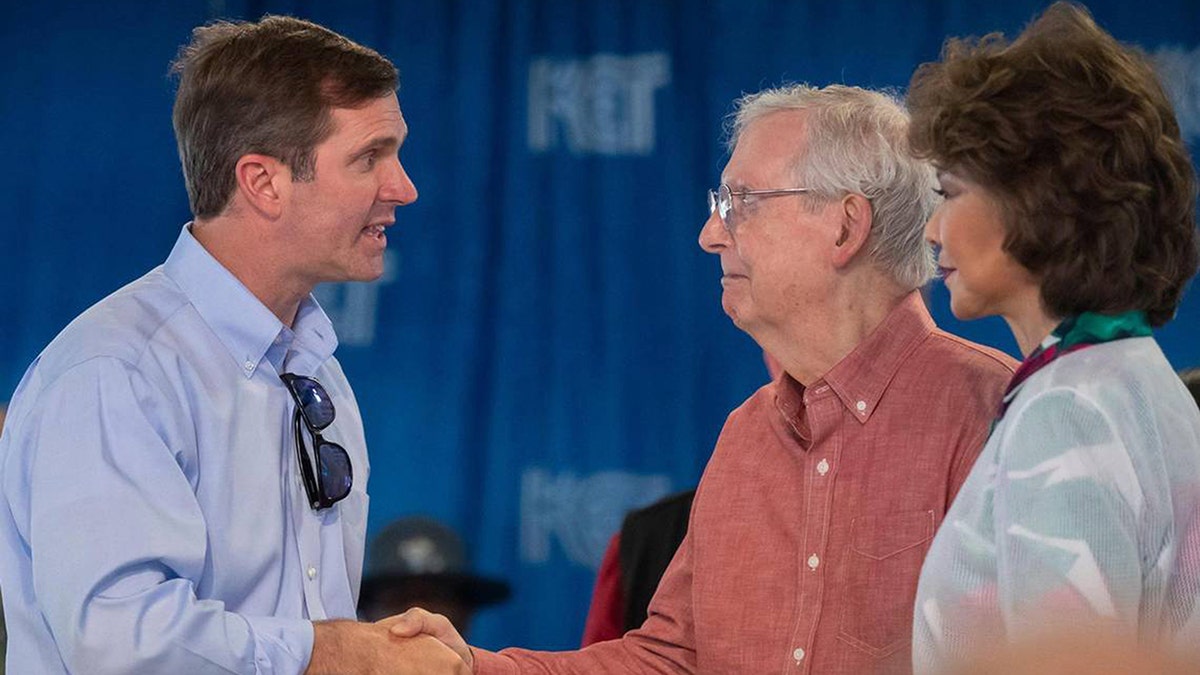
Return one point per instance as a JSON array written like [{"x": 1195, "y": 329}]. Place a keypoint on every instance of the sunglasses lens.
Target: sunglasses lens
[
  {"x": 314, "y": 402},
  {"x": 334, "y": 471}
]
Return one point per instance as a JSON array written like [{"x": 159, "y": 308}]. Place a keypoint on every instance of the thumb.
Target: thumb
[
  {"x": 409, "y": 624},
  {"x": 417, "y": 621}
]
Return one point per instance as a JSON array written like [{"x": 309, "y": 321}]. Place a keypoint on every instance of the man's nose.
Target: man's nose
[
  {"x": 714, "y": 236},
  {"x": 397, "y": 187}
]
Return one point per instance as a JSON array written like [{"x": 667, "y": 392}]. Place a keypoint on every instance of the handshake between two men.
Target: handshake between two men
[{"x": 412, "y": 643}]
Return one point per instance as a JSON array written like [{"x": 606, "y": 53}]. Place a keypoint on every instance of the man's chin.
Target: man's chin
[
  {"x": 366, "y": 277},
  {"x": 735, "y": 314},
  {"x": 357, "y": 275},
  {"x": 370, "y": 269}
]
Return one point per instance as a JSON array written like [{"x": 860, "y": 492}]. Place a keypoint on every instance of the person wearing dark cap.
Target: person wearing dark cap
[{"x": 420, "y": 562}]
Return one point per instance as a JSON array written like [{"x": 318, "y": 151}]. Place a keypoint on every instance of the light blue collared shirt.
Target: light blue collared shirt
[{"x": 152, "y": 516}]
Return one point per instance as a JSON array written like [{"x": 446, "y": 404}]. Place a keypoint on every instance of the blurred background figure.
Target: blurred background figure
[
  {"x": 1190, "y": 377},
  {"x": 419, "y": 562},
  {"x": 634, "y": 563},
  {"x": 637, "y": 556}
]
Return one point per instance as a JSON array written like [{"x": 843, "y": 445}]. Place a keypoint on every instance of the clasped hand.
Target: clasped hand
[
  {"x": 416, "y": 622},
  {"x": 416, "y": 642}
]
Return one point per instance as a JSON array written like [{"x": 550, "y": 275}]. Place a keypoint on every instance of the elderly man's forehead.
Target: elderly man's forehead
[
  {"x": 771, "y": 143},
  {"x": 790, "y": 121},
  {"x": 777, "y": 133}
]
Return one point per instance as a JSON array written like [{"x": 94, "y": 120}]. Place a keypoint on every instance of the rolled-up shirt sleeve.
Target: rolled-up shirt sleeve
[{"x": 118, "y": 538}]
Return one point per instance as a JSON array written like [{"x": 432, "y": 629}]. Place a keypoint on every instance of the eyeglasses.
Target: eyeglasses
[
  {"x": 721, "y": 200},
  {"x": 330, "y": 482}
]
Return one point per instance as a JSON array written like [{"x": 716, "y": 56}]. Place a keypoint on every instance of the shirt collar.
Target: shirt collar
[
  {"x": 789, "y": 401},
  {"x": 239, "y": 319},
  {"x": 1073, "y": 334},
  {"x": 313, "y": 339},
  {"x": 860, "y": 378}
]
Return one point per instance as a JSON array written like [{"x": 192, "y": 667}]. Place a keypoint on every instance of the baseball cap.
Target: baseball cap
[{"x": 422, "y": 549}]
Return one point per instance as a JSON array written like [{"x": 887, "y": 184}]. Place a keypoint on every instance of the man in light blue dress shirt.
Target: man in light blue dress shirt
[{"x": 159, "y": 509}]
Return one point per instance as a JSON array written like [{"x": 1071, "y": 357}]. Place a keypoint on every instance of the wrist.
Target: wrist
[{"x": 329, "y": 647}]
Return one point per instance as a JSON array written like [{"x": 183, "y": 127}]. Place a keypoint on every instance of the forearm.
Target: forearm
[
  {"x": 636, "y": 653},
  {"x": 331, "y": 646},
  {"x": 159, "y": 632}
]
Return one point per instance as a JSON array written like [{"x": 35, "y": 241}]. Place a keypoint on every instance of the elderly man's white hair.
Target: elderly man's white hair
[{"x": 858, "y": 142}]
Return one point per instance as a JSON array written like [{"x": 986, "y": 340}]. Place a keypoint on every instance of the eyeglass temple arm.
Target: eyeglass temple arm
[{"x": 740, "y": 193}]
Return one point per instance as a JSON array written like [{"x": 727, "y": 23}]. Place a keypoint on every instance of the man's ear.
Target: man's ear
[
  {"x": 262, "y": 183},
  {"x": 856, "y": 217}
]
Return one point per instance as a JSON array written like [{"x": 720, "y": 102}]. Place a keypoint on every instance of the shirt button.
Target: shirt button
[
  {"x": 312, "y": 573},
  {"x": 823, "y": 467},
  {"x": 248, "y": 365},
  {"x": 813, "y": 561},
  {"x": 861, "y": 405},
  {"x": 798, "y": 655}
]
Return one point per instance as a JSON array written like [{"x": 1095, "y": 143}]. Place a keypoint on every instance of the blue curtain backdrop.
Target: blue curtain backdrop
[{"x": 547, "y": 348}]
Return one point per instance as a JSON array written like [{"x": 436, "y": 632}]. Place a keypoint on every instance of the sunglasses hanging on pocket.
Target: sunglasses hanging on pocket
[{"x": 329, "y": 481}]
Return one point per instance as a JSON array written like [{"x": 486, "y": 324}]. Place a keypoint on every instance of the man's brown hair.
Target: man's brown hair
[
  {"x": 1075, "y": 135},
  {"x": 266, "y": 88}
]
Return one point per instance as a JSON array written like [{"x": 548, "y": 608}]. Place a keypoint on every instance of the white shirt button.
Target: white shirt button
[
  {"x": 823, "y": 467},
  {"x": 798, "y": 655},
  {"x": 248, "y": 365},
  {"x": 312, "y": 572},
  {"x": 813, "y": 561},
  {"x": 861, "y": 405}
]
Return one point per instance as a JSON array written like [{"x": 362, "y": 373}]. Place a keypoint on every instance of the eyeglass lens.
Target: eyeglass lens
[
  {"x": 334, "y": 470},
  {"x": 315, "y": 404},
  {"x": 720, "y": 201}
]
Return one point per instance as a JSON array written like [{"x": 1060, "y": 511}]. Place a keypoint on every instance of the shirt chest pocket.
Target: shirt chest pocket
[{"x": 882, "y": 565}]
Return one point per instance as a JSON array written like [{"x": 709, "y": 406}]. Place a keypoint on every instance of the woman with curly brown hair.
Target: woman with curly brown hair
[{"x": 1068, "y": 210}]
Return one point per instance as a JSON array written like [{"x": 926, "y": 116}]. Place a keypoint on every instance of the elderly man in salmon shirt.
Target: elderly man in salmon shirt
[{"x": 825, "y": 486}]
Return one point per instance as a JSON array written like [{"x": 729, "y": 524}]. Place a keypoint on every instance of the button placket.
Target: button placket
[{"x": 824, "y": 409}]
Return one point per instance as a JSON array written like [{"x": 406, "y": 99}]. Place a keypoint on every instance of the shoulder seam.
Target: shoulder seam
[
  {"x": 131, "y": 363},
  {"x": 983, "y": 350}
]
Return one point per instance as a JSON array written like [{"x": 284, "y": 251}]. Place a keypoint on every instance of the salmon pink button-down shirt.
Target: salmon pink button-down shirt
[{"x": 813, "y": 516}]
